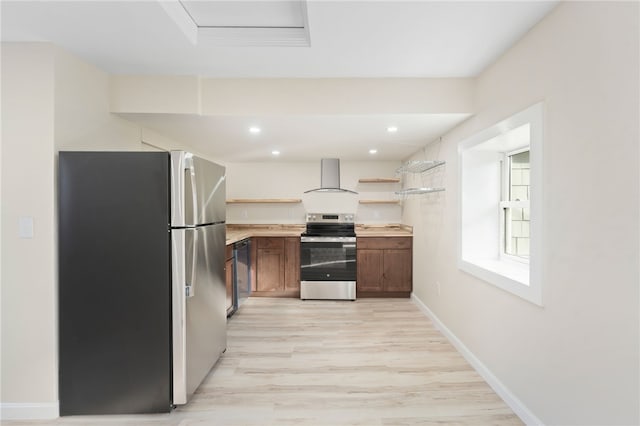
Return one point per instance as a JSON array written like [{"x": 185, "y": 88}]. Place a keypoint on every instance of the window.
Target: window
[
  {"x": 515, "y": 210},
  {"x": 500, "y": 204}
]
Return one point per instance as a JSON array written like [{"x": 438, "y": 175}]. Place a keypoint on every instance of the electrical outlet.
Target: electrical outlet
[
  {"x": 245, "y": 214},
  {"x": 438, "y": 287}
]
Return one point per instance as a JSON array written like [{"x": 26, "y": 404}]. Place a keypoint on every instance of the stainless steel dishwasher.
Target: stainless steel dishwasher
[{"x": 242, "y": 267}]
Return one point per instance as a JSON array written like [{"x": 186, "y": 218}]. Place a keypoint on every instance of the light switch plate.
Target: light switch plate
[{"x": 25, "y": 227}]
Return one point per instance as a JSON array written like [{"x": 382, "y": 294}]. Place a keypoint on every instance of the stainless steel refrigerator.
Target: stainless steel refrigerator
[{"x": 142, "y": 313}]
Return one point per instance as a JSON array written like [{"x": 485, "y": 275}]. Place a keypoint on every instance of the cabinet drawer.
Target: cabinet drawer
[
  {"x": 270, "y": 243},
  {"x": 384, "y": 242}
]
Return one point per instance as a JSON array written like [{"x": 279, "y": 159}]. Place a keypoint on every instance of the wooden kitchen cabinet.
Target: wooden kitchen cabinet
[
  {"x": 384, "y": 266},
  {"x": 277, "y": 266}
]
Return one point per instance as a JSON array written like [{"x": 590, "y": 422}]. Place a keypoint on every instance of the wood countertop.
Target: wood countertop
[
  {"x": 237, "y": 233},
  {"x": 388, "y": 230}
]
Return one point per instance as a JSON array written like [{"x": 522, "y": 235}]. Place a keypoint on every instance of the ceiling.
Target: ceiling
[
  {"x": 284, "y": 39},
  {"x": 304, "y": 137}
]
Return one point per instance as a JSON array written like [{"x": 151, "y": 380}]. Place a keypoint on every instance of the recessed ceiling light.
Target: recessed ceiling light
[
  {"x": 373, "y": 151},
  {"x": 392, "y": 129},
  {"x": 255, "y": 130},
  {"x": 275, "y": 152}
]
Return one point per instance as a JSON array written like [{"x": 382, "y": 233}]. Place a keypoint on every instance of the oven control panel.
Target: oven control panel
[{"x": 330, "y": 217}]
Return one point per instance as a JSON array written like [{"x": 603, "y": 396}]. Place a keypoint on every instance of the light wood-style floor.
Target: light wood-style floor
[{"x": 369, "y": 362}]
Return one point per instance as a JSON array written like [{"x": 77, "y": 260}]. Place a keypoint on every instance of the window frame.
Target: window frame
[{"x": 479, "y": 237}]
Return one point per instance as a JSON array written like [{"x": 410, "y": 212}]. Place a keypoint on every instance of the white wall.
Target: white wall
[
  {"x": 574, "y": 361},
  {"x": 297, "y": 96},
  {"x": 278, "y": 179},
  {"x": 29, "y": 370},
  {"x": 83, "y": 120}
]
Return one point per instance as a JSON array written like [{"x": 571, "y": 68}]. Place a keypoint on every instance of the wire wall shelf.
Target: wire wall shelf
[
  {"x": 419, "y": 166},
  {"x": 417, "y": 191},
  {"x": 264, "y": 201},
  {"x": 379, "y": 201},
  {"x": 379, "y": 180}
]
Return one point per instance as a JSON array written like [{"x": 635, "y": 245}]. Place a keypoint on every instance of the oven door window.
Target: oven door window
[{"x": 327, "y": 261}]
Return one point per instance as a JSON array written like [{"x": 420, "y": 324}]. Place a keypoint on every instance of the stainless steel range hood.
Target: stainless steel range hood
[{"x": 330, "y": 177}]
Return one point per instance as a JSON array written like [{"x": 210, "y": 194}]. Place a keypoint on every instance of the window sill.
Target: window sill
[{"x": 505, "y": 274}]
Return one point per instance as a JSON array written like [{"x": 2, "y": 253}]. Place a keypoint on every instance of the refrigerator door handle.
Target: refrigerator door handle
[
  {"x": 179, "y": 317},
  {"x": 190, "y": 280},
  {"x": 190, "y": 171}
]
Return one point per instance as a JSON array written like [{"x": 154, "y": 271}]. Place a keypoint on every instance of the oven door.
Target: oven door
[{"x": 328, "y": 259}]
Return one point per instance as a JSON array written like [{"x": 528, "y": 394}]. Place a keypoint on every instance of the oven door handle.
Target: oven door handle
[{"x": 328, "y": 240}]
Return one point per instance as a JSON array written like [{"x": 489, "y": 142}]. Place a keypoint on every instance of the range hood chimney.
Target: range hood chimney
[{"x": 330, "y": 177}]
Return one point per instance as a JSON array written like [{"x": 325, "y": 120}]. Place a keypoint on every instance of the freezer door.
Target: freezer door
[
  {"x": 197, "y": 190},
  {"x": 199, "y": 308}
]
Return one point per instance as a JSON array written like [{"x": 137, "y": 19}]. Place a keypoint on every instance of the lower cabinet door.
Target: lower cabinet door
[
  {"x": 270, "y": 270},
  {"x": 370, "y": 270},
  {"x": 397, "y": 270}
]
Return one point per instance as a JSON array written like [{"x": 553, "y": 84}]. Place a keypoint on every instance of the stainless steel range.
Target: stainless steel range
[{"x": 328, "y": 257}]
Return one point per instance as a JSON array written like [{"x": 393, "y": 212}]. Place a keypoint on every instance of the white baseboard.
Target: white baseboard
[
  {"x": 29, "y": 411},
  {"x": 503, "y": 392}
]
